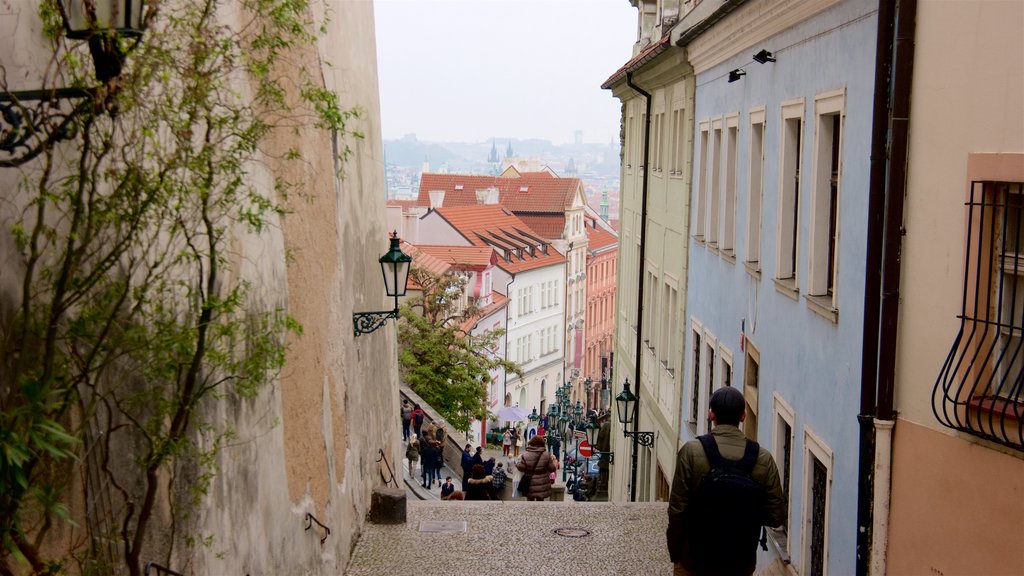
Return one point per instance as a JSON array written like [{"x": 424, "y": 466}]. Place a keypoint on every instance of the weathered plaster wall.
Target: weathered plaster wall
[
  {"x": 957, "y": 507},
  {"x": 957, "y": 501}
]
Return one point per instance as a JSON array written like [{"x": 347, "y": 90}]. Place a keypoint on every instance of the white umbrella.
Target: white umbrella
[{"x": 512, "y": 414}]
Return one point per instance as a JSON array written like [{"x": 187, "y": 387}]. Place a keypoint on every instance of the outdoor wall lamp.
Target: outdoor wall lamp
[
  {"x": 395, "y": 267},
  {"x": 26, "y": 131},
  {"x": 763, "y": 57},
  {"x": 628, "y": 408},
  {"x": 627, "y": 405},
  {"x": 736, "y": 74}
]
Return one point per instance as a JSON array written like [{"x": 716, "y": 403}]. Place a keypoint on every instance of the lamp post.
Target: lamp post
[
  {"x": 395, "y": 267},
  {"x": 26, "y": 130},
  {"x": 552, "y": 434},
  {"x": 627, "y": 407},
  {"x": 587, "y": 383}
]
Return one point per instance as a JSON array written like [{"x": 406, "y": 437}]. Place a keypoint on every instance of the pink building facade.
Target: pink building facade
[{"x": 602, "y": 261}]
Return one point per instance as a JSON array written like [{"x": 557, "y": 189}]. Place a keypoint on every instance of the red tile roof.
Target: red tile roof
[
  {"x": 497, "y": 302},
  {"x": 461, "y": 257},
  {"x": 532, "y": 193},
  {"x": 639, "y": 60},
  {"x": 493, "y": 226},
  {"x": 548, "y": 226},
  {"x": 598, "y": 238}
]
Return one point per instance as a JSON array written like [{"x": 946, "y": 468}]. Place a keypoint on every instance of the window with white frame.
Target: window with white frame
[
  {"x": 669, "y": 320},
  {"x": 755, "y": 191},
  {"x": 701, "y": 201},
  {"x": 642, "y": 144},
  {"x": 630, "y": 141},
  {"x": 782, "y": 450},
  {"x": 714, "y": 191},
  {"x": 656, "y": 141},
  {"x": 727, "y": 241},
  {"x": 696, "y": 348},
  {"x": 725, "y": 365},
  {"x": 650, "y": 305},
  {"x": 709, "y": 378},
  {"x": 817, "y": 492},
  {"x": 787, "y": 239},
  {"x": 824, "y": 230},
  {"x": 677, "y": 151},
  {"x": 751, "y": 376}
]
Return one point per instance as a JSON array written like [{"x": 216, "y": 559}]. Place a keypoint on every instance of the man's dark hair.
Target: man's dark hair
[{"x": 727, "y": 404}]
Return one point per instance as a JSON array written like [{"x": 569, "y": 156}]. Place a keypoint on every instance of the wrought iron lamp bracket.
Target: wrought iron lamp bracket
[
  {"x": 366, "y": 322},
  {"x": 32, "y": 121},
  {"x": 642, "y": 438}
]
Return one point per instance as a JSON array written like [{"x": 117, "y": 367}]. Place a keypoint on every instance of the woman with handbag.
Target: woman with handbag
[{"x": 536, "y": 465}]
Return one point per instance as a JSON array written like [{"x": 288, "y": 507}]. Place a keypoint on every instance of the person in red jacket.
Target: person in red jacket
[{"x": 417, "y": 418}]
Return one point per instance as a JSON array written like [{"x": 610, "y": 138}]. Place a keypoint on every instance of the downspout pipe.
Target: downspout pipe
[
  {"x": 894, "y": 62},
  {"x": 640, "y": 282}
]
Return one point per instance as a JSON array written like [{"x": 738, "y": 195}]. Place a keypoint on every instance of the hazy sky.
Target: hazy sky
[{"x": 470, "y": 70}]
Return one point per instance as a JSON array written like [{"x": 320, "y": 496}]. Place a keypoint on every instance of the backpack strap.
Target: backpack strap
[{"x": 716, "y": 460}]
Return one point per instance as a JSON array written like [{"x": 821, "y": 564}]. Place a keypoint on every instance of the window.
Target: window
[
  {"x": 677, "y": 151},
  {"x": 642, "y": 149},
  {"x": 695, "y": 366},
  {"x": 782, "y": 450},
  {"x": 662, "y": 489},
  {"x": 630, "y": 143},
  {"x": 650, "y": 305},
  {"x": 787, "y": 240},
  {"x": 756, "y": 189},
  {"x": 711, "y": 230},
  {"x": 979, "y": 389},
  {"x": 709, "y": 379},
  {"x": 728, "y": 239},
  {"x": 702, "y": 185},
  {"x": 656, "y": 141},
  {"x": 817, "y": 487},
  {"x": 669, "y": 319},
  {"x": 824, "y": 230},
  {"x": 751, "y": 375}
]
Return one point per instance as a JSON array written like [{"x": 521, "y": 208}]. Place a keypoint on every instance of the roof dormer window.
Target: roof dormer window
[
  {"x": 524, "y": 188},
  {"x": 458, "y": 187}
]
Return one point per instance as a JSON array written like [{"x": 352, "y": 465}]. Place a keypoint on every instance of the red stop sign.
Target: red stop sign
[{"x": 586, "y": 450}]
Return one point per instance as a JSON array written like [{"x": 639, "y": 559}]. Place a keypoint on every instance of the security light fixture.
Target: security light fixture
[
  {"x": 32, "y": 121},
  {"x": 763, "y": 57},
  {"x": 736, "y": 74},
  {"x": 395, "y": 267}
]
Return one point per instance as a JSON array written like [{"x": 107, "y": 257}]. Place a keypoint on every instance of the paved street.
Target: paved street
[{"x": 517, "y": 538}]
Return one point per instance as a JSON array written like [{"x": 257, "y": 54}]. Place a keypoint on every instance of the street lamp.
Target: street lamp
[
  {"x": 26, "y": 131},
  {"x": 627, "y": 406},
  {"x": 533, "y": 415},
  {"x": 395, "y": 267},
  {"x": 587, "y": 383}
]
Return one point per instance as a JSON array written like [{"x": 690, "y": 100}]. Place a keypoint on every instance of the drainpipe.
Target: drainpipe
[
  {"x": 640, "y": 283},
  {"x": 887, "y": 184}
]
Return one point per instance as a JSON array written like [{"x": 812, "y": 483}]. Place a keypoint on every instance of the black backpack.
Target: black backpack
[{"x": 726, "y": 513}]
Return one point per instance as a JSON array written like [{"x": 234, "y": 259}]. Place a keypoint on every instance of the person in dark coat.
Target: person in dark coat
[
  {"x": 489, "y": 466},
  {"x": 538, "y": 464},
  {"x": 478, "y": 457},
  {"x": 479, "y": 486},
  {"x": 467, "y": 466},
  {"x": 429, "y": 457}
]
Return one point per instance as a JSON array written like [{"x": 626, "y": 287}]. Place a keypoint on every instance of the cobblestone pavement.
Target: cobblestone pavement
[{"x": 517, "y": 538}]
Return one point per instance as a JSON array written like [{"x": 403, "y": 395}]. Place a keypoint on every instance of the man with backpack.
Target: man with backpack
[
  {"x": 725, "y": 489},
  {"x": 406, "y": 419}
]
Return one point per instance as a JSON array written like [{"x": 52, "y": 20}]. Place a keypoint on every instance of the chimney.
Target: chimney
[
  {"x": 436, "y": 199},
  {"x": 487, "y": 195}
]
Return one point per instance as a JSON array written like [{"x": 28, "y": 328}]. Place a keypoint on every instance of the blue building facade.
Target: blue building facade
[{"x": 778, "y": 222}]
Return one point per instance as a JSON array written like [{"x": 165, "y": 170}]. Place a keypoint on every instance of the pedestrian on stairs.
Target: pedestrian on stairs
[{"x": 412, "y": 452}]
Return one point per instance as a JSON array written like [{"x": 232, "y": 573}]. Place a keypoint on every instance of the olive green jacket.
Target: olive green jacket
[{"x": 692, "y": 464}]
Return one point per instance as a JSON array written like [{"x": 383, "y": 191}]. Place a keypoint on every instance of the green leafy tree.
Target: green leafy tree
[
  {"x": 439, "y": 360},
  {"x": 131, "y": 315}
]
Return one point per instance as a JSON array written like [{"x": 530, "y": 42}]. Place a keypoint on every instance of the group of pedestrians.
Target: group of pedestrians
[{"x": 511, "y": 441}]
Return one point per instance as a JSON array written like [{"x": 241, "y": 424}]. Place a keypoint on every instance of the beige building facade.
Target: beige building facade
[
  {"x": 653, "y": 235},
  {"x": 957, "y": 493}
]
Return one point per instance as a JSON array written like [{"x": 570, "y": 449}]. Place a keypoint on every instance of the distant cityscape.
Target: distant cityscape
[{"x": 596, "y": 165}]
